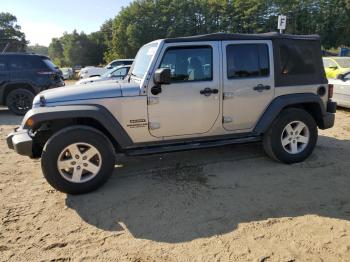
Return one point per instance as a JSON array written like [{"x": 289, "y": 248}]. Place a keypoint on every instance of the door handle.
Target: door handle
[
  {"x": 208, "y": 91},
  {"x": 261, "y": 88}
]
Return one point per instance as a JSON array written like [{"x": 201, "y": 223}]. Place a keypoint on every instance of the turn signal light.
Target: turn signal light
[{"x": 30, "y": 122}]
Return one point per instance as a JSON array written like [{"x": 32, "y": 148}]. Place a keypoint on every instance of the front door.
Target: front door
[
  {"x": 248, "y": 75},
  {"x": 190, "y": 104}
]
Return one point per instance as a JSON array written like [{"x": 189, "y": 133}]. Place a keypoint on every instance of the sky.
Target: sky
[{"x": 42, "y": 20}]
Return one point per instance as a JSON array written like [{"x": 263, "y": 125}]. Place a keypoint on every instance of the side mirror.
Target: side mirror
[
  {"x": 341, "y": 77},
  {"x": 162, "y": 76},
  {"x": 109, "y": 67}
]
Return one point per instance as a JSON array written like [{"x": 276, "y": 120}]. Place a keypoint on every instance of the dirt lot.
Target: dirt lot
[{"x": 225, "y": 204}]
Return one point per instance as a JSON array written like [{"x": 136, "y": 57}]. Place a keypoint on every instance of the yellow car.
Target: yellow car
[{"x": 336, "y": 65}]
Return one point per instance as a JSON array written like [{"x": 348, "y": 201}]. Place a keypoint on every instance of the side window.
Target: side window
[
  {"x": 247, "y": 60},
  {"x": 189, "y": 63},
  {"x": 19, "y": 63},
  {"x": 2, "y": 64},
  {"x": 37, "y": 63},
  {"x": 296, "y": 60}
]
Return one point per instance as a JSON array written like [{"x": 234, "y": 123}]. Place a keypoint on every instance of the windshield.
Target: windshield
[
  {"x": 344, "y": 62},
  {"x": 143, "y": 59},
  {"x": 108, "y": 73}
]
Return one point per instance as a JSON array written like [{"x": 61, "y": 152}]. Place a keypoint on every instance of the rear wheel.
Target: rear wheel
[
  {"x": 77, "y": 160},
  {"x": 292, "y": 137},
  {"x": 19, "y": 101}
]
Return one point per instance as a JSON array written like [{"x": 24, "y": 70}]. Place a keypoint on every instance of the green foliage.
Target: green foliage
[
  {"x": 146, "y": 20},
  {"x": 56, "y": 52},
  {"x": 38, "y": 49},
  {"x": 143, "y": 21},
  {"x": 10, "y": 32}
]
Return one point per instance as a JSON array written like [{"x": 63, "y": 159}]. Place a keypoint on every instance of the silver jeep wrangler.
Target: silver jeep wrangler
[{"x": 183, "y": 93}]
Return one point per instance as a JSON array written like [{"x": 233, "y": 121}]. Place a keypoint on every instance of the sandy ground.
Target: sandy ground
[{"x": 226, "y": 204}]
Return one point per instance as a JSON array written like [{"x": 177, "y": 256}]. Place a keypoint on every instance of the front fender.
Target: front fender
[{"x": 99, "y": 113}]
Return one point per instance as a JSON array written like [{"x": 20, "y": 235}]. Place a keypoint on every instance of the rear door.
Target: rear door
[
  {"x": 4, "y": 72},
  {"x": 22, "y": 69},
  {"x": 248, "y": 81}
]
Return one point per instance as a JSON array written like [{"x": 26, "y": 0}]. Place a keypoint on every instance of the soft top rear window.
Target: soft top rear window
[{"x": 298, "y": 62}]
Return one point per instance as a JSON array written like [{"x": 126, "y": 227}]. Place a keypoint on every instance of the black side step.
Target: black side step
[{"x": 189, "y": 146}]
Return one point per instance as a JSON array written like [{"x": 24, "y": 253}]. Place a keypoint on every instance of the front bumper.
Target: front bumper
[{"x": 21, "y": 142}]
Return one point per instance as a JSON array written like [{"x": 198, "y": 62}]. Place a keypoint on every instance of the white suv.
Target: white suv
[{"x": 91, "y": 71}]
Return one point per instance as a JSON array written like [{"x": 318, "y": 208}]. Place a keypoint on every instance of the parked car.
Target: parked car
[
  {"x": 119, "y": 62},
  {"x": 22, "y": 76},
  {"x": 336, "y": 65},
  {"x": 117, "y": 73},
  {"x": 67, "y": 73},
  {"x": 341, "y": 91},
  {"x": 183, "y": 93},
  {"x": 91, "y": 71}
]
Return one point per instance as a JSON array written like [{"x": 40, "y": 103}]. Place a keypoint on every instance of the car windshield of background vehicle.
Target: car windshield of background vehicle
[
  {"x": 120, "y": 72},
  {"x": 344, "y": 62},
  {"x": 347, "y": 77},
  {"x": 143, "y": 59},
  {"x": 108, "y": 73}
]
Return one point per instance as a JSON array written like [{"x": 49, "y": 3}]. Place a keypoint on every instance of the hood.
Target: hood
[
  {"x": 88, "y": 80},
  {"x": 100, "y": 90}
]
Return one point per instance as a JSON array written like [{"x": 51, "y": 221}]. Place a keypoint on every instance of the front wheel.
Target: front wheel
[
  {"x": 77, "y": 160},
  {"x": 292, "y": 137},
  {"x": 19, "y": 101}
]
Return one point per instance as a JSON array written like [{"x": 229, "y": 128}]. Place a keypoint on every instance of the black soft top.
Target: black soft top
[
  {"x": 225, "y": 36},
  {"x": 297, "y": 58}
]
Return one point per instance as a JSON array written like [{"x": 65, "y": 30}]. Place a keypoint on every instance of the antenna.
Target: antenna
[{"x": 5, "y": 48}]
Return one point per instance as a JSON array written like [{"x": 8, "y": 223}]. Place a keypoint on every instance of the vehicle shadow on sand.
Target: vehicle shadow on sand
[
  {"x": 183, "y": 196},
  {"x": 9, "y": 118}
]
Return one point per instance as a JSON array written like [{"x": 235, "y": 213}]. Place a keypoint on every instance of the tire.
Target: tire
[
  {"x": 285, "y": 141},
  {"x": 77, "y": 160},
  {"x": 19, "y": 101}
]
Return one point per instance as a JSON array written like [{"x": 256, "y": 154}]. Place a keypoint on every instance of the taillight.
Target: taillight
[{"x": 330, "y": 91}]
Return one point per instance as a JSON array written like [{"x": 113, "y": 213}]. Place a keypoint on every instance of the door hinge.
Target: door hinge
[
  {"x": 227, "y": 119},
  {"x": 153, "y": 125},
  {"x": 228, "y": 95},
  {"x": 152, "y": 100}
]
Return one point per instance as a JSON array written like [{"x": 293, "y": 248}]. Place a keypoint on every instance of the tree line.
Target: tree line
[{"x": 145, "y": 20}]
